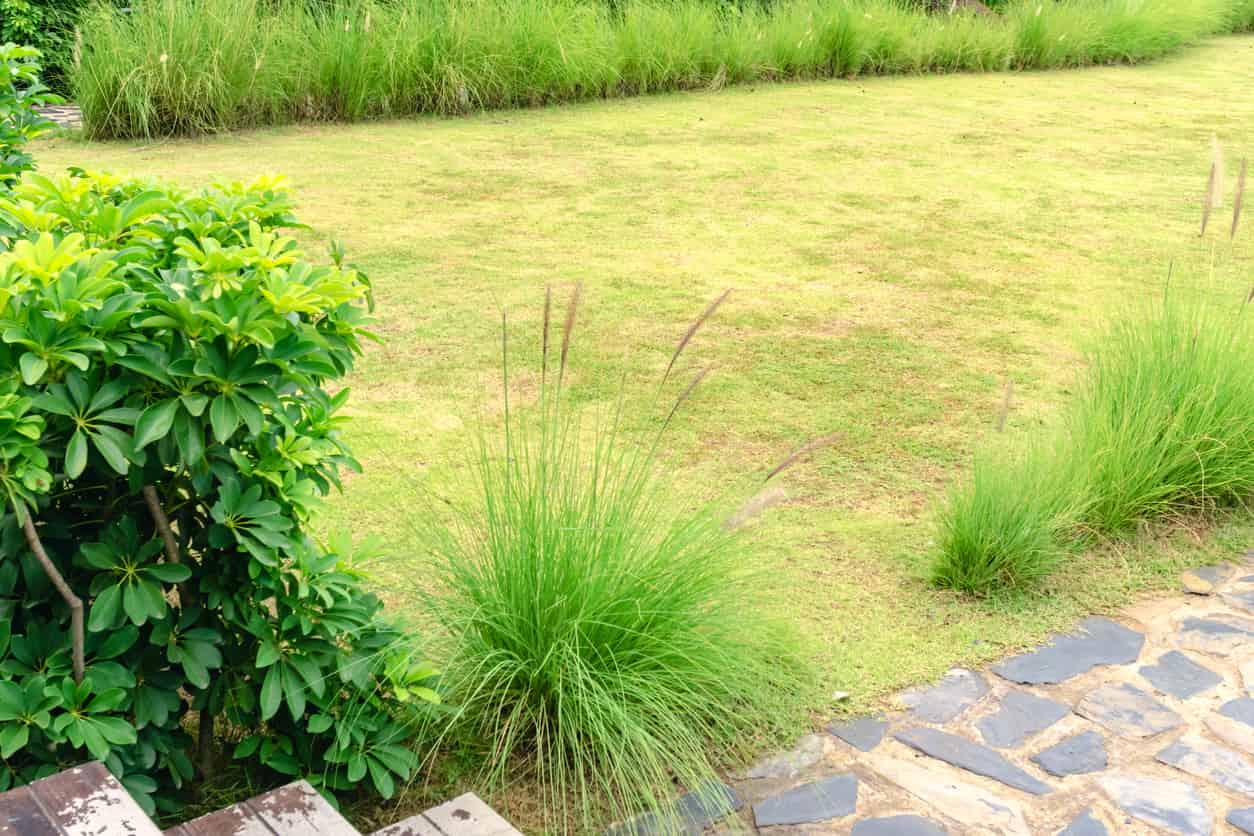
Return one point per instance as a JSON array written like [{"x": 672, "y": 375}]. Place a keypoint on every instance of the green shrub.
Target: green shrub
[
  {"x": 1162, "y": 425},
  {"x": 20, "y": 93},
  {"x": 189, "y": 66},
  {"x": 166, "y": 430},
  {"x": 608, "y": 637}
]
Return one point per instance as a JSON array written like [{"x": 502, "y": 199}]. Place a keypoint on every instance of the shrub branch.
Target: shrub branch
[{"x": 72, "y": 601}]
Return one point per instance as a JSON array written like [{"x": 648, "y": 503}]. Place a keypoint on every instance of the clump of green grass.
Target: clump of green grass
[
  {"x": 1161, "y": 425},
  {"x": 1165, "y": 419},
  {"x": 609, "y": 637},
  {"x": 1011, "y": 525},
  {"x": 191, "y": 66}
]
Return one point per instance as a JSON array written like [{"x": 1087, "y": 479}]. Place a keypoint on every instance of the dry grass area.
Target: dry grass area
[{"x": 899, "y": 248}]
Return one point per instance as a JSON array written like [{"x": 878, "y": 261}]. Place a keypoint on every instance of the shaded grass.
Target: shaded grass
[
  {"x": 900, "y": 247},
  {"x": 190, "y": 66}
]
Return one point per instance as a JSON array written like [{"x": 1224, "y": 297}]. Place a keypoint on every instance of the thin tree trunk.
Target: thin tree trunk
[
  {"x": 73, "y": 601},
  {"x": 204, "y": 743}
]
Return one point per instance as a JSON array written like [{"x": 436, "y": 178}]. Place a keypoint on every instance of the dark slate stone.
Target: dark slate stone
[
  {"x": 1180, "y": 676},
  {"x": 1171, "y": 805},
  {"x": 898, "y": 826},
  {"x": 1242, "y": 819},
  {"x": 1220, "y": 635},
  {"x": 1085, "y": 824},
  {"x": 831, "y": 798},
  {"x": 1099, "y": 641},
  {"x": 1241, "y": 600},
  {"x": 1127, "y": 711},
  {"x": 942, "y": 702},
  {"x": 864, "y": 734},
  {"x": 972, "y": 757},
  {"x": 1240, "y": 709},
  {"x": 1077, "y": 755},
  {"x": 692, "y": 813},
  {"x": 1021, "y": 715},
  {"x": 1197, "y": 756},
  {"x": 1214, "y": 574}
]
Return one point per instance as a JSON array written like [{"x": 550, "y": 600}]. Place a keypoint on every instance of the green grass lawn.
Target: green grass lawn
[{"x": 898, "y": 249}]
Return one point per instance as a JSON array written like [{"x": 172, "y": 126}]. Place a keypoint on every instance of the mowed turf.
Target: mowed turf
[{"x": 898, "y": 249}]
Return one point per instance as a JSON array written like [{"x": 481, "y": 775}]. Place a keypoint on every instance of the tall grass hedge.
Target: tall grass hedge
[{"x": 188, "y": 66}]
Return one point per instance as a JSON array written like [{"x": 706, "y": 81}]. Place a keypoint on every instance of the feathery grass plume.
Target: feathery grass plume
[
  {"x": 692, "y": 330},
  {"x": 801, "y": 452},
  {"x": 544, "y": 339},
  {"x": 755, "y": 506},
  {"x": 1216, "y": 196},
  {"x": 1004, "y": 411},
  {"x": 1237, "y": 199},
  {"x": 683, "y": 396},
  {"x": 1206, "y": 200},
  {"x": 567, "y": 328},
  {"x": 607, "y": 637}
]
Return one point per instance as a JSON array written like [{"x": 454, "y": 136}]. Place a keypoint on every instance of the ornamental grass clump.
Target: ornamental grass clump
[
  {"x": 611, "y": 636},
  {"x": 1161, "y": 426}
]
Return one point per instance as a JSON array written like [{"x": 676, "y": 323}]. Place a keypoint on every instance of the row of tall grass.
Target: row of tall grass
[
  {"x": 1160, "y": 425},
  {"x": 189, "y": 66}
]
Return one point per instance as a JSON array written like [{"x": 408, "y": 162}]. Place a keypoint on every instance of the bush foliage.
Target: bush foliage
[
  {"x": 166, "y": 430},
  {"x": 188, "y": 66}
]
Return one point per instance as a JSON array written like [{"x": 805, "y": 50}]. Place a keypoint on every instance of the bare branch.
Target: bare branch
[{"x": 73, "y": 601}]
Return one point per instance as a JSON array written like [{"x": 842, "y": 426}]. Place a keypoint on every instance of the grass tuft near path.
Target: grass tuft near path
[{"x": 899, "y": 248}]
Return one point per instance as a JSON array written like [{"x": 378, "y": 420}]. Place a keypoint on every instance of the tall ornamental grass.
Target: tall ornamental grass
[
  {"x": 189, "y": 66},
  {"x": 611, "y": 638},
  {"x": 1162, "y": 425}
]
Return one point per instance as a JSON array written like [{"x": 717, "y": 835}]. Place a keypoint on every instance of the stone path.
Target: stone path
[
  {"x": 66, "y": 115},
  {"x": 1142, "y": 724}
]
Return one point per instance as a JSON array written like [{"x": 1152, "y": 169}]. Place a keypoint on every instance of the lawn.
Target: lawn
[{"x": 898, "y": 249}]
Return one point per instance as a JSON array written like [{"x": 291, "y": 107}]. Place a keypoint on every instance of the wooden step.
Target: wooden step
[
  {"x": 83, "y": 801},
  {"x": 465, "y": 815},
  {"x": 293, "y": 809}
]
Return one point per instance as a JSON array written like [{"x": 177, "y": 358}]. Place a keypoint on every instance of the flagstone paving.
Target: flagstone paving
[{"x": 1138, "y": 724}]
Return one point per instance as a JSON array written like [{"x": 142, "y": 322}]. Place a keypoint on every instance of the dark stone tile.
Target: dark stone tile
[
  {"x": 1020, "y": 716},
  {"x": 1171, "y": 805},
  {"x": 691, "y": 814},
  {"x": 1241, "y": 709},
  {"x": 1085, "y": 824},
  {"x": 864, "y": 734},
  {"x": 942, "y": 702},
  {"x": 1099, "y": 641},
  {"x": 1242, "y": 819},
  {"x": 831, "y": 798},
  {"x": 1178, "y": 675},
  {"x": 972, "y": 757},
  {"x": 1220, "y": 635},
  {"x": 1197, "y": 756},
  {"x": 1076, "y": 755},
  {"x": 898, "y": 826},
  {"x": 1240, "y": 600},
  {"x": 1127, "y": 711}
]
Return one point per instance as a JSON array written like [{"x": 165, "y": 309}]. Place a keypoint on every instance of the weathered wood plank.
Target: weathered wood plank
[
  {"x": 236, "y": 820},
  {"x": 413, "y": 826},
  {"x": 467, "y": 815},
  {"x": 21, "y": 815},
  {"x": 88, "y": 801},
  {"x": 298, "y": 808}
]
